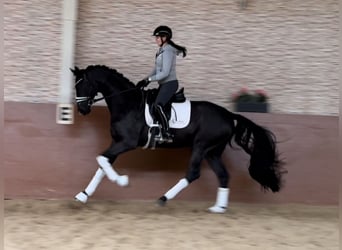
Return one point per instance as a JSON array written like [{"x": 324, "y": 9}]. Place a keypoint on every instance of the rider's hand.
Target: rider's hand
[{"x": 143, "y": 83}]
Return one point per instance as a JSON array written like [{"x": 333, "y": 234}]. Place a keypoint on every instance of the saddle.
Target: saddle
[
  {"x": 176, "y": 113},
  {"x": 178, "y": 97}
]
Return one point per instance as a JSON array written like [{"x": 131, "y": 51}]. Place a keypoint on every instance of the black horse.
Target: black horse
[{"x": 210, "y": 129}]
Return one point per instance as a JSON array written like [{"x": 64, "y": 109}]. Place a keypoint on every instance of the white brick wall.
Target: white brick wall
[{"x": 288, "y": 48}]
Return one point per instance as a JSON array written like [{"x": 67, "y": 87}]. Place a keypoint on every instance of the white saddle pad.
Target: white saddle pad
[{"x": 180, "y": 115}]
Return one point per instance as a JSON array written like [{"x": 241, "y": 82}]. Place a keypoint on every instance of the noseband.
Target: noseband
[{"x": 80, "y": 99}]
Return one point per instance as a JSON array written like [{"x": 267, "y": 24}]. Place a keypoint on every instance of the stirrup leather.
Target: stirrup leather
[{"x": 163, "y": 119}]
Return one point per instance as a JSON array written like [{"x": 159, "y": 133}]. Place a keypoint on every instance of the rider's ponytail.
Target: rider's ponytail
[{"x": 178, "y": 47}]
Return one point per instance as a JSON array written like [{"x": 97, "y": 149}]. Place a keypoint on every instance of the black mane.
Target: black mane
[{"x": 103, "y": 70}]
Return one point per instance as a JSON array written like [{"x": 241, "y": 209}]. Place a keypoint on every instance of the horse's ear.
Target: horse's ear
[{"x": 75, "y": 71}]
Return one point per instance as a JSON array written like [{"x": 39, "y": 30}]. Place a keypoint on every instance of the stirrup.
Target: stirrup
[
  {"x": 153, "y": 137},
  {"x": 167, "y": 137}
]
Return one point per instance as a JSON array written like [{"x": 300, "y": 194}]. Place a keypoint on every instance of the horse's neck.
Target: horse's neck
[
  {"x": 111, "y": 85},
  {"x": 120, "y": 99}
]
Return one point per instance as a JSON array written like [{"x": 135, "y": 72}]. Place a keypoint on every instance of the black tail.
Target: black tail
[{"x": 260, "y": 143}]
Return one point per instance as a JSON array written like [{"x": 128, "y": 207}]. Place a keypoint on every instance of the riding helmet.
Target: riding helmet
[{"x": 163, "y": 31}]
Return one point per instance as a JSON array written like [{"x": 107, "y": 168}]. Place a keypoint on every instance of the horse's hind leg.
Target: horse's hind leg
[
  {"x": 90, "y": 189},
  {"x": 216, "y": 164},
  {"x": 192, "y": 174}
]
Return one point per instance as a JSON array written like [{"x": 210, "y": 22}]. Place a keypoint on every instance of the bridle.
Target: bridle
[
  {"x": 91, "y": 101},
  {"x": 80, "y": 99}
]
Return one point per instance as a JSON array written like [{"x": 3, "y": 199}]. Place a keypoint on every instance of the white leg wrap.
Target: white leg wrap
[
  {"x": 183, "y": 183},
  {"x": 221, "y": 201},
  {"x": 121, "y": 180},
  {"x": 107, "y": 168},
  {"x": 90, "y": 189},
  {"x": 82, "y": 197}
]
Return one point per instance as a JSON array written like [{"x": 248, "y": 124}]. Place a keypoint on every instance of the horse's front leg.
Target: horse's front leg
[
  {"x": 121, "y": 180},
  {"x": 107, "y": 158},
  {"x": 105, "y": 161},
  {"x": 106, "y": 166},
  {"x": 90, "y": 189}
]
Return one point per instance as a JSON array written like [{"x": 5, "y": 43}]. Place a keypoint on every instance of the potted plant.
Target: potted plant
[{"x": 251, "y": 101}]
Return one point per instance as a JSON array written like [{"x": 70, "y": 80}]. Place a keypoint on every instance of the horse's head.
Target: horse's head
[
  {"x": 86, "y": 90},
  {"x": 102, "y": 79}
]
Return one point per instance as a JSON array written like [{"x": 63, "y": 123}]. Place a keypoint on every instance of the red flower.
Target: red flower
[{"x": 245, "y": 96}]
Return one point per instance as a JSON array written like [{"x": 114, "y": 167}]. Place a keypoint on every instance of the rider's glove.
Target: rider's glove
[{"x": 143, "y": 83}]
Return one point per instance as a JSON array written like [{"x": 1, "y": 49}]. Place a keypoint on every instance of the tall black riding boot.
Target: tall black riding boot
[{"x": 166, "y": 135}]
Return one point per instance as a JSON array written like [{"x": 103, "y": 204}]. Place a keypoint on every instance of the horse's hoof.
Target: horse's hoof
[
  {"x": 217, "y": 210},
  {"x": 122, "y": 180},
  {"x": 81, "y": 197},
  {"x": 162, "y": 201}
]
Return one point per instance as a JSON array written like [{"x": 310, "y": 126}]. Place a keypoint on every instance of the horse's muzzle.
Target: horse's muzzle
[{"x": 83, "y": 110}]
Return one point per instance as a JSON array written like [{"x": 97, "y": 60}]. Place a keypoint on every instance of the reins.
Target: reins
[
  {"x": 94, "y": 100},
  {"x": 110, "y": 96}
]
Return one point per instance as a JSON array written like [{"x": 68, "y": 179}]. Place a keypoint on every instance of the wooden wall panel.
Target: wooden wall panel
[{"x": 51, "y": 161}]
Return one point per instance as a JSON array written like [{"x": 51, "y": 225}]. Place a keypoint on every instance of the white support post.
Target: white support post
[{"x": 64, "y": 112}]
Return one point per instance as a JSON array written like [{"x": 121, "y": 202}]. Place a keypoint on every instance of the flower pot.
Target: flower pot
[{"x": 260, "y": 107}]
